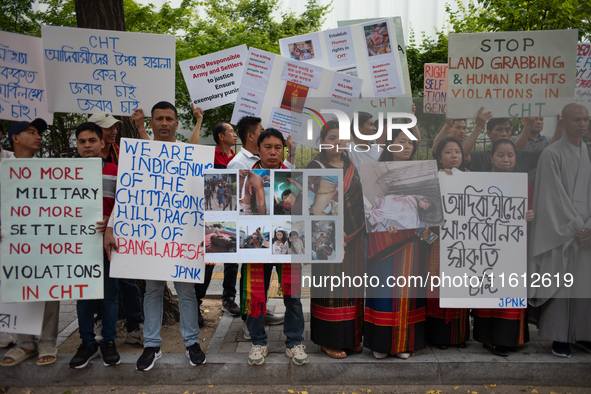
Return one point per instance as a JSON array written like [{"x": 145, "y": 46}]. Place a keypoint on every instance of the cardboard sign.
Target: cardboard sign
[
  {"x": 435, "y": 88},
  {"x": 512, "y": 74},
  {"x": 583, "y": 77},
  {"x": 20, "y": 317},
  {"x": 90, "y": 70},
  {"x": 159, "y": 211},
  {"x": 483, "y": 247},
  {"x": 213, "y": 79},
  {"x": 50, "y": 247},
  {"x": 22, "y": 79}
]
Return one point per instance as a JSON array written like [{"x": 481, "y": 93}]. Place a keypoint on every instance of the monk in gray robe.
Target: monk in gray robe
[{"x": 561, "y": 237}]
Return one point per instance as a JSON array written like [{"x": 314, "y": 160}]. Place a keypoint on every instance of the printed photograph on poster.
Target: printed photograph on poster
[
  {"x": 323, "y": 239},
  {"x": 294, "y": 97},
  {"x": 255, "y": 234},
  {"x": 323, "y": 198},
  {"x": 377, "y": 38},
  {"x": 220, "y": 237},
  {"x": 288, "y": 192},
  {"x": 280, "y": 242},
  {"x": 352, "y": 71},
  {"x": 254, "y": 192},
  {"x": 303, "y": 50},
  {"x": 220, "y": 192},
  {"x": 401, "y": 195},
  {"x": 297, "y": 237}
]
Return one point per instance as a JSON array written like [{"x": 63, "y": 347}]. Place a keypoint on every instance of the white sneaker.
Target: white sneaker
[
  {"x": 297, "y": 354},
  {"x": 379, "y": 355},
  {"x": 136, "y": 336},
  {"x": 403, "y": 355},
  {"x": 257, "y": 354},
  {"x": 245, "y": 331},
  {"x": 98, "y": 331},
  {"x": 5, "y": 340}
]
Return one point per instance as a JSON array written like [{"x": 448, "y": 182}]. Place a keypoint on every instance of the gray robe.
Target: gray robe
[{"x": 562, "y": 207}]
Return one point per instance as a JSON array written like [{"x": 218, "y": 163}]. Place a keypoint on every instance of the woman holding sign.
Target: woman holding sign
[
  {"x": 445, "y": 326},
  {"x": 502, "y": 330},
  {"x": 337, "y": 317},
  {"x": 395, "y": 316}
]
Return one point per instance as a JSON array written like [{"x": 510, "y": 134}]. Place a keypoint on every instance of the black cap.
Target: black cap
[{"x": 16, "y": 128}]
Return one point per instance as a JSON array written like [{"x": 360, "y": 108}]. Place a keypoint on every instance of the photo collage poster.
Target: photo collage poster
[{"x": 273, "y": 216}]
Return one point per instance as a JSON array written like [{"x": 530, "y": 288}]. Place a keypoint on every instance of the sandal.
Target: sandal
[
  {"x": 47, "y": 352},
  {"x": 356, "y": 349},
  {"x": 334, "y": 353},
  {"x": 18, "y": 355}
]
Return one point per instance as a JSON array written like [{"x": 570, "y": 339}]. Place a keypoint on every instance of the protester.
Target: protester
[
  {"x": 336, "y": 321},
  {"x": 395, "y": 317},
  {"x": 90, "y": 142},
  {"x": 224, "y": 137},
  {"x": 25, "y": 139},
  {"x": 108, "y": 124},
  {"x": 164, "y": 124},
  {"x": 270, "y": 146},
  {"x": 561, "y": 237},
  {"x": 532, "y": 128},
  {"x": 445, "y": 326},
  {"x": 502, "y": 330}
]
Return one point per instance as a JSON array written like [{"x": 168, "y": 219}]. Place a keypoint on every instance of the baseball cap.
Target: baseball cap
[
  {"x": 103, "y": 120},
  {"x": 17, "y": 127}
]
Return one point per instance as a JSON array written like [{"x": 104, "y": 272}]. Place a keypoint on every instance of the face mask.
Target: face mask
[{"x": 498, "y": 169}]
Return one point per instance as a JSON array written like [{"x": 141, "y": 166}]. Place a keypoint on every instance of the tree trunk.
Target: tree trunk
[
  {"x": 109, "y": 15},
  {"x": 106, "y": 15}
]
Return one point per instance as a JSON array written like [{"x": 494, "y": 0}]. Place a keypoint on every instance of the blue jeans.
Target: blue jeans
[
  {"x": 109, "y": 308},
  {"x": 153, "y": 304},
  {"x": 293, "y": 326}
]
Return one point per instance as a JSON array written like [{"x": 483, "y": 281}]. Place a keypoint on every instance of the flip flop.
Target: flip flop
[
  {"x": 18, "y": 355},
  {"x": 47, "y": 352},
  {"x": 333, "y": 352}
]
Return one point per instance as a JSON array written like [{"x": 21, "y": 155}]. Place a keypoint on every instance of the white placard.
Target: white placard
[
  {"x": 23, "y": 95},
  {"x": 370, "y": 47},
  {"x": 213, "y": 79},
  {"x": 281, "y": 92},
  {"x": 483, "y": 242},
  {"x": 583, "y": 77},
  {"x": 158, "y": 211},
  {"x": 21, "y": 317},
  {"x": 51, "y": 249},
  {"x": 90, "y": 70},
  {"x": 512, "y": 74}
]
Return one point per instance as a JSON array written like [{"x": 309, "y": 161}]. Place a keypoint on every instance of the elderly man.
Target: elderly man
[{"x": 561, "y": 238}]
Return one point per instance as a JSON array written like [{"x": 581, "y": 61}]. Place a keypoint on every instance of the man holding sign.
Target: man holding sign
[
  {"x": 164, "y": 124},
  {"x": 25, "y": 139}
]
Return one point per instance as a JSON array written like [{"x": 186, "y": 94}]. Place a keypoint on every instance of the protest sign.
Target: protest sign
[
  {"x": 284, "y": 93},
  {"x": 367, "y": 50},
  {"x": 21, "y": 317},
  {"x": 89, "y": 70},
  {"x": 483, "y": 247},
  {"x": 273, "y": 216},
  {"x": 583, "y": 77},
  {"x": 512, "y": 74},
  {"x": 213, "y": 79},
  {"x": 435, "y": 88},
  {"x": 50, "y": 247},
  {"x": 22, "y": 79},
  {"x": 158, "y": 214}
]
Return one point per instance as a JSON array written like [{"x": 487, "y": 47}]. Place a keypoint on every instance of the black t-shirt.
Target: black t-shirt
[{"x": 524, "y": 161}]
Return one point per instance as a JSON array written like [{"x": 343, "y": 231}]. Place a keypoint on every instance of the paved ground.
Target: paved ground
[{"x": 227, "y": 353}]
